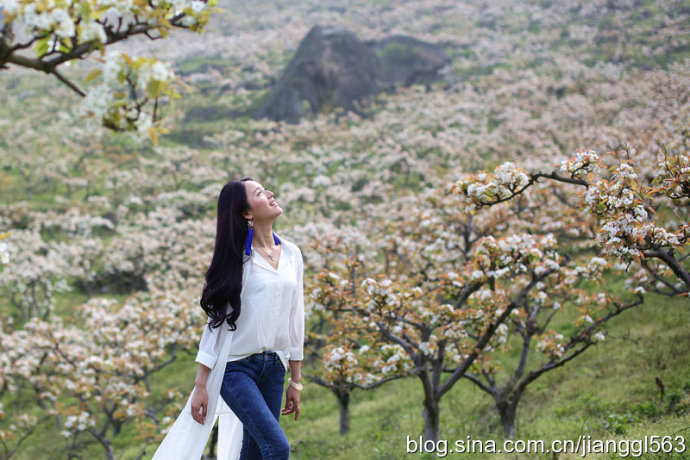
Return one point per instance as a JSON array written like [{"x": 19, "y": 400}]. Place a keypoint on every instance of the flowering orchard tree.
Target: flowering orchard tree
[
  {"x": 623, "y": 203},
  {"x": 346, "y": 363},
  {"x": 31, "y": 157},
  {"x": 34, "y": 272},
  {"x": 449, "y": 291},
  {"x": 347, "y": 367},
  {"x": 42, "y": 267},
  {"x": 506, "y": 381},
  {"x": 53, "y": 251},
  {"x": 434, "y": 332},
  {"x": 94, "y": 379},
  {"x": 130, "y": 89},
  {"x": 640, "y": 219},
  {"x": 18, "y": 431},
  {"x": 426, "y": 307}
]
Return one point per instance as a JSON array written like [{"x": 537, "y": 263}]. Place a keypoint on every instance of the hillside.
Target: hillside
[{"x": 110, "y": 235}]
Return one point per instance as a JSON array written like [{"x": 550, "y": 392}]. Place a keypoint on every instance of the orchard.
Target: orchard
[{"x": 469, "y": 244}]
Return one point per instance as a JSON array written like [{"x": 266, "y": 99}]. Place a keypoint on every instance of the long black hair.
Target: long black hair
[{"x": 224, "y": 275}]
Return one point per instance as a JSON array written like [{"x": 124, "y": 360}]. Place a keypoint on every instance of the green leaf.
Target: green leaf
[
  {"x": 153, "y": 134},
  {"x": 93, "y": 75},
  {"x": 42, "y": 46},
  {"x": 154, "y": 89},
  {"x": 84, "y": 11}
]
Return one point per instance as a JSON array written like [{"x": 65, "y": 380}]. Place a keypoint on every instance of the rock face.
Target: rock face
[
  {"x": 406, "y": 60},
  {"x": 333, "y": 68}
]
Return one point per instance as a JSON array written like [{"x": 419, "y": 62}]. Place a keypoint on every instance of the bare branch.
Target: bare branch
[
  {"x": 672, "y": 263},
  {"x": 474, "y": 379},
  {"x": 673, "y": 290}
]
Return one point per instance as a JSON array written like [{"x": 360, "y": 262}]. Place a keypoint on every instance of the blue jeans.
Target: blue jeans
[{"x": 253, "y": 389}]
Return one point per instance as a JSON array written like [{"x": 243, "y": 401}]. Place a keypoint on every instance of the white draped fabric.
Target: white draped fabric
[{"x": 187, "y": 438}]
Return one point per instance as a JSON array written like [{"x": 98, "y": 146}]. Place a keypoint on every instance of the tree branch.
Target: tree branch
[
  {"x": 474, "y": 379},
  {"x": 672, "y": 263},
  {"x": 69, "y": 84},
  {"x": 583, "y": 338},
  {"x": 466, "y": 293},
  {"x": 484, "y": 340},
  {"x": 526, "y": 340},
  {"x": 674, "y": 291}
]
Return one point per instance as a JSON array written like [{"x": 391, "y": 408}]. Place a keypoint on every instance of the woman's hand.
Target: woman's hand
[
  {"x": 200, "y": 404},
  {"x": 291, "y": 402}
]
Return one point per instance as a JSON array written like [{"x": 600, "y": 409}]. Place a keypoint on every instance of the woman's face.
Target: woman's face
[{"x": 262, "y": 205}]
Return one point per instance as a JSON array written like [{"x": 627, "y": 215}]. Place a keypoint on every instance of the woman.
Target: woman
[{"x": 253, "y": 297}]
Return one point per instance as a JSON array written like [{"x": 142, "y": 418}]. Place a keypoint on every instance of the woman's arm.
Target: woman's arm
[
  {"x": 209, "y": 347},
  {"x": 200, "y": 396},
  {"x": 296, "y": 318},
  {"x": 292, "y": 394}
]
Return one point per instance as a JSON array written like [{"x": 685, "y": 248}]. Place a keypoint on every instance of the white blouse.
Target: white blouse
[{"x": 272, "y": 314}]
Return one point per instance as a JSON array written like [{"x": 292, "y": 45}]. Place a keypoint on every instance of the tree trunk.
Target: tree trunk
[
  {"x": 431, "y": 409},
  {"x": 117, "y": 427},
  {"x": 431, "y": 418},
  {"x": 344, "y": 405},
  {"x": 105, "y": 442},
  {"x": 507, "y": 410},
  {"x": 109, "y": 454}
]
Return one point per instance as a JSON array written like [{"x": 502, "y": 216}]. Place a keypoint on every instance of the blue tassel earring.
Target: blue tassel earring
[{"x": 250, "y": 238}]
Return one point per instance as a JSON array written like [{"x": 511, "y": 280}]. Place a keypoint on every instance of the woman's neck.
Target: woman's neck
[{"x": 263, "y": 235}]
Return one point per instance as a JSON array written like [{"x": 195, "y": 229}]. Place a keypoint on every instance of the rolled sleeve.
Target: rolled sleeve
[
  {"x": 297, "y": 314},
  {"x": 206, "y": 359},
  {"x": 209, "y": 347}
]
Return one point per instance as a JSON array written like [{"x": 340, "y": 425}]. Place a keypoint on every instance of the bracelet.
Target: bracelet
[{"x": 295, "y": 385}]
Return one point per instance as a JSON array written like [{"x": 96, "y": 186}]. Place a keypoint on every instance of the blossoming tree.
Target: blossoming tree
[
  {"x": 130, "y": 90},
  {"x": 623, "y": 203},
  {"x": 94, "y": 380},
  {"x": 445, "y": 293},
  {"x": 638, "y": 219},
  {"x": 347, "y": 361}
]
